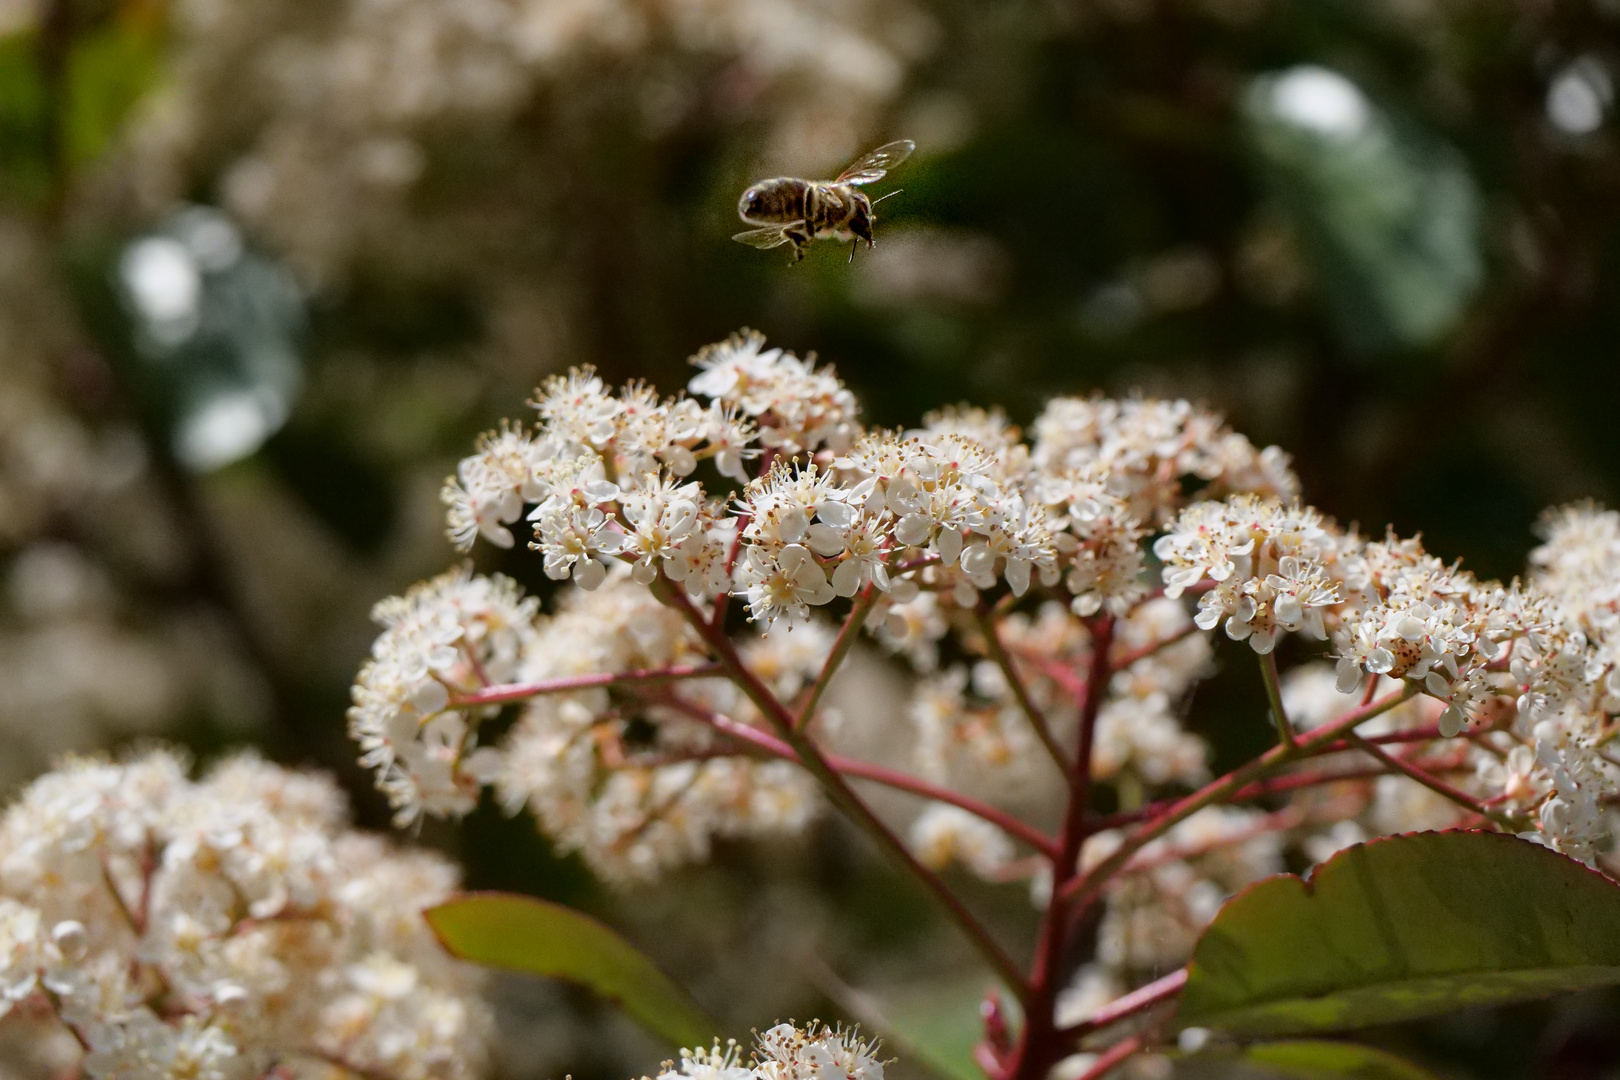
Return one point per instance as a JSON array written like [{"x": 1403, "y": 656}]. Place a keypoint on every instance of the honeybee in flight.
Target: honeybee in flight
[{"x": 794, "y": 211}]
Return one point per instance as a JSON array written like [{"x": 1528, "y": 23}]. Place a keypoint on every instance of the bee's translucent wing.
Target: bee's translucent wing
[
  {"x": 768, "y": 237},
  {"x": 873, "y": 166}
]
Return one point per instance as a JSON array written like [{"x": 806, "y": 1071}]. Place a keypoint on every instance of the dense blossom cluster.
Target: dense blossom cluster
[
  {"x": 638, "y": 785},
  {"x": 920, "y": 525},
  {"x": 152, "y": 927},
  {"x": 784, "y": 1052},
  {"x": 671, "y": 696},
  {"x": 633, "y": 782}
]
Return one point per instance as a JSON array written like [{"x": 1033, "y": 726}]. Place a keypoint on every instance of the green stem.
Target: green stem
[
  {"x": 841, "y": 646},
  {"x": 1273, "y": 682},
  {"x": 1037, "y": 718}
]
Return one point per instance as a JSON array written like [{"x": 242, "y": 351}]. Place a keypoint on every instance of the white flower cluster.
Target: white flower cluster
[
  {"x": 945, "y": 834},
  {"x": 632, "y": 782},
  {"x": 839, "y": 509},
  {"x": 784, "y": 1052},
  {"x": 636, "y": 784},
  {"x": 1270, "y": 565},
  {"x": 449, "y": 636},
  {"x": 1412, "y": 617},
  {"x": 921, "y": 524},
  {"x": 1576, "y": 569},
  {"x": 224, "y": 929},
  {"x": 1117, "y": 467},
  {"x": 950, "y": 533},
  {"x": 1392, "y": 609}
]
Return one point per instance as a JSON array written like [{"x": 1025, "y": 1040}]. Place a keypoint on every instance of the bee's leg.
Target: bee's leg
[
  {"x": 854, "y": 244},
  {"x": 798, "y": 236}
]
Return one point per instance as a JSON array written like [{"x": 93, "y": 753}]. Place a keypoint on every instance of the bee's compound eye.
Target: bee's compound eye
[{"x": 754, "y": 201}]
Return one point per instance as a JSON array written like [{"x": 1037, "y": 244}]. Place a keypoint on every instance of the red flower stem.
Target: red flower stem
[
  {"x": 1433, "y": 783},
  {"x": 847, "y": 636},
  {"x": 717, "y": 617},
  {"x": 1221, "y": 790},
  {"x": 1276, "y": 822},
  {"x": 879, "y": 774},
  {"x": 501, "y": 694},
  {"x": 1126, "y": 659},
  {"x": 1414, "y": 735},
  {"x": 838, "y": 789},
  {"x": 1110, "y": 1059},
  {"x": 1015, "y": 680},
  {"x": 1260, "y": 789},
  {"x": 1039, "y": 1046},
  {"x": 1143, "y": 997},
  {"x": 1067, "y": 681}
]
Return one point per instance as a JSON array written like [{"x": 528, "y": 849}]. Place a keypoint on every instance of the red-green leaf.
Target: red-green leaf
[
  {"x": 1401, "y": 928},
  {"x": 934, "y": 1023},
  {"x": 1320, "y": 1059},
  {"x": 521, "y": 933}
]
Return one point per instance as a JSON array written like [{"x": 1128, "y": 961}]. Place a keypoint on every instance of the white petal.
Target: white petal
[
  {"x": 588, "y": 574},
  {"x": 1018, "y": 576},
  {"x": 846, "y": 579},
  {"x": 794, "y": 526},
  {"x": 792, "y": 557},
  {"x": 912, "y": 530},
  {"x": 838, "y": 515},
  {"x": 826, "y": 541},
  {"x": 978, "y": 559}
]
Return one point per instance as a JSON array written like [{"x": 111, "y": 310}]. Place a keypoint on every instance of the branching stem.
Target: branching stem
[
  {"x": 1138, "y": 1000},
  {"x": 879, "y": 774},
  {"x": 501, "y": 694},
  {"x": 1222, "y": 789},
  {"x": 1435, "y": 784},
  {"x": 838, "y": 789},
  {"x": 1039, "y": 1046}
]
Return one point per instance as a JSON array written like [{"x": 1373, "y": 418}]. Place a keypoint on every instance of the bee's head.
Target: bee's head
[{"x": 754, "y": 202}]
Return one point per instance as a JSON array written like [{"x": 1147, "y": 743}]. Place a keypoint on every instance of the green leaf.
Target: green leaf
[
  {"x": 110, "y": 61},
  {"x": 1319, "y": 1059},
  {"x": 1388, "y": 211},
  {"x": 934, "y": 1023},
  {"x": 520, "y": 933},
  {"x": 1401, "y": 928}
]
